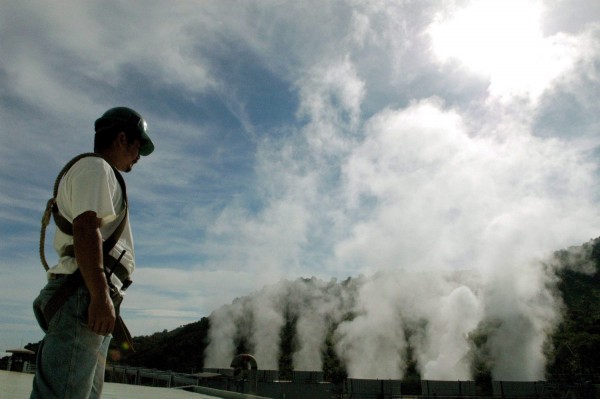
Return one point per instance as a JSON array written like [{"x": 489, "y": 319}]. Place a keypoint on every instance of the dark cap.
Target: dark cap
[{"x": 129, "y": 120}]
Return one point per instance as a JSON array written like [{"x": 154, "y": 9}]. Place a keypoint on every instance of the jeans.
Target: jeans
[{"x": 71, "y": 358}]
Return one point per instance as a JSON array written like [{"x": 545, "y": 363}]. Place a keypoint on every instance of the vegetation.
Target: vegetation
[
  {"x": 179, "y": 350},
  {"x": 576, "y": 342}
]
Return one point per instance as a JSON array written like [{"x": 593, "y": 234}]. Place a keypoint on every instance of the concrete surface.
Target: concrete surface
[{"x": 15, "y": 385}]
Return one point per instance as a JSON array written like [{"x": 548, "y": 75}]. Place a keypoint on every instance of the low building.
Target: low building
[{"x": 22, "y": 360}]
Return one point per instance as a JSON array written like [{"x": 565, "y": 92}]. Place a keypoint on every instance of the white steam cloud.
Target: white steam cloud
[
  {"x": 447, "y": 206},
  {"x": 453, "y": 227}
]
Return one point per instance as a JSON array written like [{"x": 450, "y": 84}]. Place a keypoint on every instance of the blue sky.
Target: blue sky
[{"x": 299, "y": 139}]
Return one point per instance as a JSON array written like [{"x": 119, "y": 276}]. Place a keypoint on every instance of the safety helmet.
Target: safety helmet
[{"x": 128, "y": 120}]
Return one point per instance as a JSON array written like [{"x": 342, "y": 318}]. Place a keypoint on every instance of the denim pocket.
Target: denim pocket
[{"x": 42, "y": 299}]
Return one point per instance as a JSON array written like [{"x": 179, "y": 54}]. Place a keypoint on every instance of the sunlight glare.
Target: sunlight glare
[{"x": 500, "y": 39}]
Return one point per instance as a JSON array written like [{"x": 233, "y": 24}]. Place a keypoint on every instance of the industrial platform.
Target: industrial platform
[{"x": 14, "y": 385}]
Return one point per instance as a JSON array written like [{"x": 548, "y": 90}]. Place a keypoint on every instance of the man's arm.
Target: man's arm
[{"x": 87, "y": 242}]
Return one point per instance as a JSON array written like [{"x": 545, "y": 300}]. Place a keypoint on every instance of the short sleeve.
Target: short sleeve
[{"x": 90, "y": 185}]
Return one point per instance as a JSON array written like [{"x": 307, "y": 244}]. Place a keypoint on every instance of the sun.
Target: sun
[
  {"x": 501, "y": 39},
  {"x": 488, "y": 34}
]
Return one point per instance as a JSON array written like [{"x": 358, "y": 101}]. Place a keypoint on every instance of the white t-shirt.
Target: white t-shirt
[{"x": 91, "y": 185}]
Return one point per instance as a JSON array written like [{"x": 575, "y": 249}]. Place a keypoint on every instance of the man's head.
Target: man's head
[
  {"x": 121, "y": 136},
  {"x": 122, "y": 119}
]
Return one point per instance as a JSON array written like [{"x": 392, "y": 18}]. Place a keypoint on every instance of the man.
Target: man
[{"x": 91, "y": 198}]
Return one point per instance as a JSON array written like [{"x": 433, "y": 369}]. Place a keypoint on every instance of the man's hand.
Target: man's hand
[
  {"x": 87, "y": 242},
  {"x": 101, "y": 315}
]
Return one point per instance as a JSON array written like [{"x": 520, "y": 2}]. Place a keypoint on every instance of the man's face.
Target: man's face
[{"x": 131, "y": 155}]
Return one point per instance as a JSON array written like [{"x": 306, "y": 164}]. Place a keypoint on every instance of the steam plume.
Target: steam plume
[{"x": 453, "y": 241}]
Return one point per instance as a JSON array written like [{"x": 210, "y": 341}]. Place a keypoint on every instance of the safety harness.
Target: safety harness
[{"x": 75, "y": 280}]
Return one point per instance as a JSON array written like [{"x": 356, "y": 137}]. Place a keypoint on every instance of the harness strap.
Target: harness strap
[
  {"x": 117, "y": 269},
  {"x": 75, "y": 280},
  {"x": 45, "y": 222},
  {"x": 68, "y": 288},
  {"x": 67, "y": 227},
  {"x": 121, "y": 333}
]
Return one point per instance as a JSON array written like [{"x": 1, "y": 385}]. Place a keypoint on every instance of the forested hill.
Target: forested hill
[
  {"x": 572, "y": 353},
  {"x": 577, "y": 340}
]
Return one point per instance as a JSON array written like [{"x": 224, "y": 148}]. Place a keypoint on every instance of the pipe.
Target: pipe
[{"x": 240, "y": 363}]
